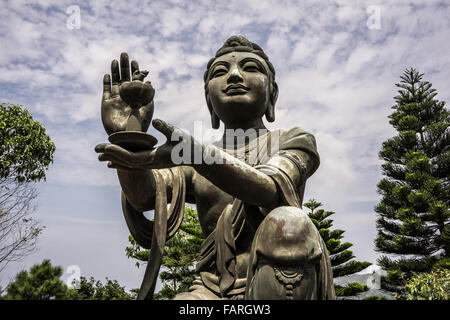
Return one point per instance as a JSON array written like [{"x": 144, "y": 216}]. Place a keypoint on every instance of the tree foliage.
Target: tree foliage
[
  {"x": 350, "y": 289},
  {"x": 434, "y": 285},
  {"x": 413, "y": 215},
  {"x": 25, "y": 153},
  {"x": 342, "y": 259},
  {"x": 180, "y": 254},
  {"x": 40, "y": 283},
  {"x": 26, "y": 150},
  {"x": 95, "y": 290}
]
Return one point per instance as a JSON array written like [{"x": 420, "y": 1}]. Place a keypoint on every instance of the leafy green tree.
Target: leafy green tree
[
  {"x": 350, "y": 289},
  {"x": 374, "y": 298},
  {"x": 342, "y": 259},
  {"x": 42, "y": 282},
  {"x": 25, "y": 149},
  {"x": 180, "y": 254},
  {"x": 94, "y": 290},
  {"x": 413, "y": 215},
  {"x": 25, "y": 153},
  {"x": 434, "y": 285}
]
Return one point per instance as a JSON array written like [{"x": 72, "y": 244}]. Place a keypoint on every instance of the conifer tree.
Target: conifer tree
[
  {"x": 413, "y": 215},
  {"x": 341, "y": 257},
  {"x": 42, "y": 282}
]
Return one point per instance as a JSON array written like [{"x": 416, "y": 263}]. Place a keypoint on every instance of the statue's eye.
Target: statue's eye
[
  {"x": 217, "y": 72},
  {"x": 251, "y": 67}
]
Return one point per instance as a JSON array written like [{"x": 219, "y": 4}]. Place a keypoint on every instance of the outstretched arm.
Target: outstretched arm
[
  {"x": 254, "y": 186},
  {"x": 228, "y": 173},
  {"x": 238, "y": 179}
]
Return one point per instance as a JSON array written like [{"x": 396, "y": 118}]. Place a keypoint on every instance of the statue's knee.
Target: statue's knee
[
  {"x": 186, "y": 296},
  {"x": 287, "y": 235},
  {"x": 196, "y": 292},
  {"x": 285, "y": 254}
]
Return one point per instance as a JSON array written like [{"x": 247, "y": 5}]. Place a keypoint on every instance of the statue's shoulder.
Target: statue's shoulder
[
  {"x": 293, "y": 133},
  {"x": 296, "y": 137},
  {"x": 299, "y": 139}
]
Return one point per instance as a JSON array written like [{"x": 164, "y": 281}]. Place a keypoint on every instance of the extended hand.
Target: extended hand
[
  {"x": 115, "y": 111},
  {"x": 159, "y": 158}
]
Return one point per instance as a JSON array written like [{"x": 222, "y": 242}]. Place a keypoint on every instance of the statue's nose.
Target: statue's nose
[{"x": 235, "y": 76}]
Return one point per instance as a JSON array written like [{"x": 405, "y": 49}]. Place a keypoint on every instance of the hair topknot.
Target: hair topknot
[
  {"x": 235, "y": 41},
  {"x": 239, "y": 43}
]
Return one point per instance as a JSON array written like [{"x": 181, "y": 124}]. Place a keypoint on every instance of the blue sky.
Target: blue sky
[{"x": 336, "y": 78}]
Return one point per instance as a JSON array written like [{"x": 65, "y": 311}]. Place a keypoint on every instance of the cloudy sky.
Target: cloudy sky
[{"x": 336, "y": 66}]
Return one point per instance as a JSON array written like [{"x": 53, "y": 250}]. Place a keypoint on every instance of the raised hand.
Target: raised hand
[{"x": 115, "y": 112}]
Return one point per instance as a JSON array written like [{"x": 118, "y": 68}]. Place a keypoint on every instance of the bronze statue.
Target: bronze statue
[{"x": 248, "y": 188}]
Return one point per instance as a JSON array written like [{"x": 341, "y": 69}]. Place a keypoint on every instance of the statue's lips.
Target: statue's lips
[{"x": 235, "y": 89}]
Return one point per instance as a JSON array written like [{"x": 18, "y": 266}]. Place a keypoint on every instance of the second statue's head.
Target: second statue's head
[{"x": 240, "y": 84}]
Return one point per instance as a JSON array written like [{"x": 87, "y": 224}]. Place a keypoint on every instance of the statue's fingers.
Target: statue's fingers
[
  {"x": 114, "y": 90},
  {"x": 105, "y": 157},
  {"x": 100, "y": 148},
  {"x": 134, "y": 67},
  {"x": 114, "y": 165},
  {"x": 106, "y": 87},
  {"x": 163, "y": 127},
  {"x": 115, "y": 78},
  {"x": 115, "y": 73},
  {"x": 120, "y": 154},
  {"x": 124, "y": 67},
  {"x": 108, "y": 157}
]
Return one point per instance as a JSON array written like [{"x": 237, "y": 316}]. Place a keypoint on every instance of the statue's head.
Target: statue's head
[{"x": 240, "y": 84}]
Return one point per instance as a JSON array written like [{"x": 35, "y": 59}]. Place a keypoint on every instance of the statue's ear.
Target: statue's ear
[
  {"x": 215, "y": 121},
  {"x": 270, "y": 111}
]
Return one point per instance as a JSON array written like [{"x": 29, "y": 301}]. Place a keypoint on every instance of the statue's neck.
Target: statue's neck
[
  {"x": 238, "y": 135},
  {"x": 256, "y": 124}
]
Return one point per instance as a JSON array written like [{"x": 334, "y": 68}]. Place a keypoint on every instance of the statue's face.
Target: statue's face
[{"x": 239, "y": 87}]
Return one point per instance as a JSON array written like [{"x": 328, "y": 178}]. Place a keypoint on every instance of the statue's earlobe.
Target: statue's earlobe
[
  {"x": 270, "y": 111},
  {"x": 215, "y": 122}
]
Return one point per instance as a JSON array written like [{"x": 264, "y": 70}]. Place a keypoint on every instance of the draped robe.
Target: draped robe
[{"x": 228, "y": 248}]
